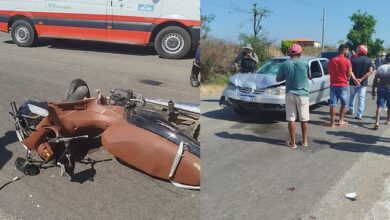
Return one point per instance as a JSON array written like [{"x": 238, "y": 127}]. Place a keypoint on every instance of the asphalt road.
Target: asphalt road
[
  {"x": 102, "y": 190},
  {"x": 249, "y": 173}
]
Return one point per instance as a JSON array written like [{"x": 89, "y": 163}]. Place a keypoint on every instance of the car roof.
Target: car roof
[{"x": 304, "y": 58}]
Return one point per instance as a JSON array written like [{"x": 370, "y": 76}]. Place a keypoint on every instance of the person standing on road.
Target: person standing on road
[
  {"x": 382, "y": 81},
  {"x": 380, "y": 59},
  {"x": 362, "y": 67},
  {"x": 246, "y": 60},
  {"x": 340, "y": 69},
  {"x": 295, "y": 72},
  {"x": 196, "y": 68}
]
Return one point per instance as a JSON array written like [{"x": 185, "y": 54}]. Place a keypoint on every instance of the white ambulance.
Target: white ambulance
[{"x": 172, "y": 26}]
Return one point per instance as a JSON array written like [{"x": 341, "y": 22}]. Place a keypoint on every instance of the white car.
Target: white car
[{"x": 260, "y": 91}]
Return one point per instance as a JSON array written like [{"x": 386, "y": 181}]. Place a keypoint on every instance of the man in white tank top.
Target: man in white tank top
[{"x": 382, "y": 81}]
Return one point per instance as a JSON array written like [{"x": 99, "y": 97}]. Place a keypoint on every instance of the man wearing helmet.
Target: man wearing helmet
[
  {"x": 340, "y": 69},
  {"x": 362, "y": 67},
  {"x": 296, "y": 74},
  {"x": 246, "y": 60}
]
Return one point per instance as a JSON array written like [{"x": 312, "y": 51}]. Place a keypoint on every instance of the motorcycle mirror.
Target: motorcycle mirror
[{"x": 38, "y": 110}]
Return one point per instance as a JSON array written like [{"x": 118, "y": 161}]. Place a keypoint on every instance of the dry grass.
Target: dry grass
[
  {"x": 217, "y": 56},
  {"x": 209, "y": 90}
]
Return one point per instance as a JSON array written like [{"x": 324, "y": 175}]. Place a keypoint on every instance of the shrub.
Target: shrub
[
  {"x": 286, "y": 44},
  {"x": 217, "y": 57}
]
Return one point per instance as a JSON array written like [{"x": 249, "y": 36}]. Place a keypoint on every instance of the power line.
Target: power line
[
  {"x": 240, "y": 10},
  {"x": 295, "y": 17},
  {"x": 315, "y": 6}
]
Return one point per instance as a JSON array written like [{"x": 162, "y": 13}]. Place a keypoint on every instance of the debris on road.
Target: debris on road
[{"x": 351, "y": 196}]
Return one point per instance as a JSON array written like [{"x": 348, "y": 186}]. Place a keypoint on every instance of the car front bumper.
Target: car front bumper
[{"x": 250, "y": 101}]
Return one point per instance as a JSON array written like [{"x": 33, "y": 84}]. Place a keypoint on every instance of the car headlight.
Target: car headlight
[
  {"x": 231, "y": 86},
  {"x": 276, "y": 91}
]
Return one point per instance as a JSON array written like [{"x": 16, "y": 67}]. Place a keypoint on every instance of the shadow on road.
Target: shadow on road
[
  {"x": 264, "y": 117},
  {"x": 251, "y": 138},
  {"x": 359, "y": 143},
  {"x": 5, "y": 155},
  {"x": 356, "y": 147},
  {"x": 88, "y": 174},
  {"x": 95, "y": 46},
  {"x": 359, "y": 138}
]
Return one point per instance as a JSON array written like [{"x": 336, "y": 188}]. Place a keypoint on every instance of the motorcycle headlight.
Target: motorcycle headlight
[
  {"x": 231, "y": 86},
  {"x": 276, "y": 91}
]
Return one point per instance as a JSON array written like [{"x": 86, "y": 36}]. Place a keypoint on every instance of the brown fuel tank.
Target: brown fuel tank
[{"x": 150, "y": 153}]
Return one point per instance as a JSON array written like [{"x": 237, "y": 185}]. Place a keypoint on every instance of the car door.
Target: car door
[
  {"x": 133, "y": 20},
  {"x": 325, "y": 89},
  {"x": 316, "y": 82},
  {"x": 83, "y": 19}
]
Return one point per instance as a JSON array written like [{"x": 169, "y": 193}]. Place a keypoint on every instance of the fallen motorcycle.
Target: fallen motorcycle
[{"x": 157, "y": 137}]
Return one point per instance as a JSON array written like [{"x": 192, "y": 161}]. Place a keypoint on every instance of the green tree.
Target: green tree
[
  {"x": 286, "y": 44},
  {"x": 361, "y": 33},
  {"x": 206, "y": 20}
]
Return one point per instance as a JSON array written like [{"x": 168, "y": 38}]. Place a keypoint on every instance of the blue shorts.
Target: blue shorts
[
  {"x": 383, "y": 97},
  {"x": 336, "y": 93}
]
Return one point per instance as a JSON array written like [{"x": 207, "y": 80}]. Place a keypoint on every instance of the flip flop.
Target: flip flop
[
  {"x": 288, "y": 144},
  {"x": 303, "y": 145},
  {"x": 343, "y": 124},
  {"x": 376, "y": 127},
  {"x": 329, "y": 125}
]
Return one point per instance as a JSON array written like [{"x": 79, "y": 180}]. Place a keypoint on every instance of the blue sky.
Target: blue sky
[{"x": 296, "y": 18}]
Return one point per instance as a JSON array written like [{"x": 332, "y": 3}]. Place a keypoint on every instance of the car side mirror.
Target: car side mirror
[{"x": 38, "y": 110}]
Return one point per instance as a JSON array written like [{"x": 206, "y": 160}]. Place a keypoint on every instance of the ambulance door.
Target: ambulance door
[
  {"x": 84, "y": 19},
  {"x": 133, "y": 20}
]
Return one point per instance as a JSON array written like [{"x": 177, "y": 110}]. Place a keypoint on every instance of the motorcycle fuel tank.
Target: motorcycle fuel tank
[{"x": 150, "y": 152}]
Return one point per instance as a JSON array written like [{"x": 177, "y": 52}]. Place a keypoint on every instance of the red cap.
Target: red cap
[
  {"x": 362, "y": 50},
  {"x": 295, "y": 49}
]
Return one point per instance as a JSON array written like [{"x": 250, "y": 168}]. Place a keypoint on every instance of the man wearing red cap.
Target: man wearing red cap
[
  {"x": 296, "y": 74},
  {"x": 340, "y": 69},
  {"x": 362, "y": 67}
]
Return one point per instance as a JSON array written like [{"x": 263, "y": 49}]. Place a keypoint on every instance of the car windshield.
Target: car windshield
[{"x": 271, "y": 67}]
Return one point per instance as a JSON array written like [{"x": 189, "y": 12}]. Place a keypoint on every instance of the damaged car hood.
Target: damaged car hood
[{"x": 254, "y": 80}]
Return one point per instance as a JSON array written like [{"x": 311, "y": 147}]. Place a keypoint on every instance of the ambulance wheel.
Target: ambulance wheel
[
  {"x": 23, "y": 33},
  {"x": 173, "y": 42}
]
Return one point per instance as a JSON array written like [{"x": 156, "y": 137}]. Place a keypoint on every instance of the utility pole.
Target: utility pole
[
  {"x": 323, "y": 30},
  {"x": 254, "y": 19}
]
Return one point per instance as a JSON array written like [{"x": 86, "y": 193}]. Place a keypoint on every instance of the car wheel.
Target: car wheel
[
  {"x": 173, "y": 42},
  {"x": 23, "y": 33}
]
